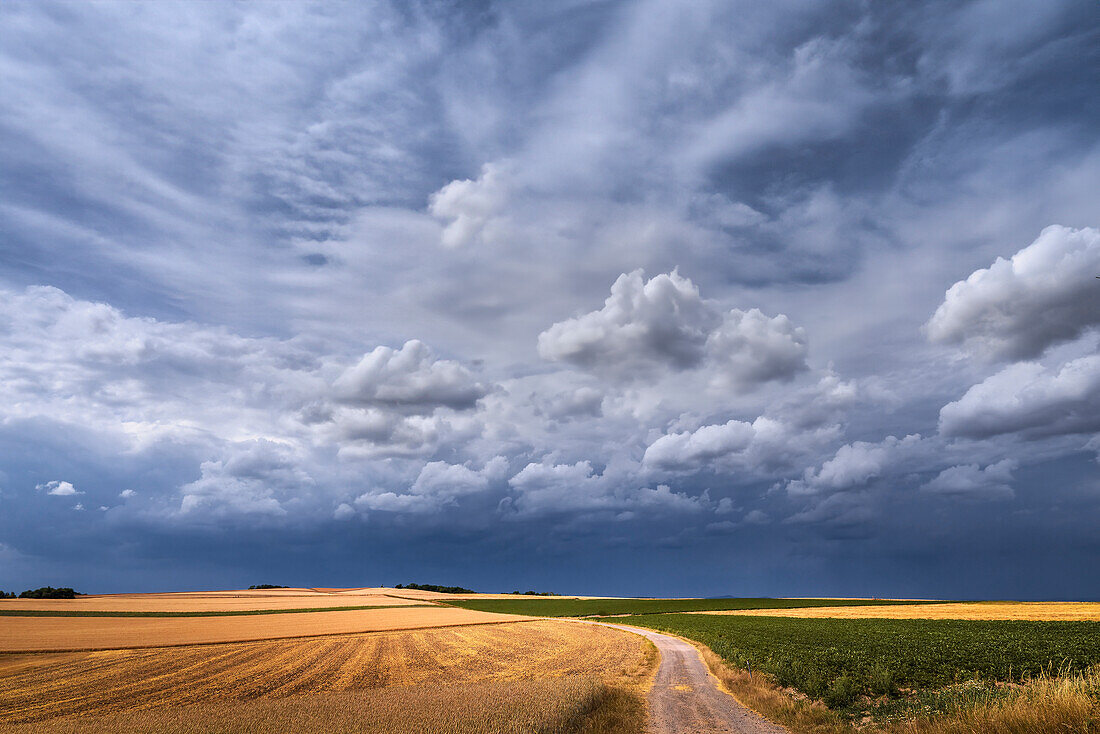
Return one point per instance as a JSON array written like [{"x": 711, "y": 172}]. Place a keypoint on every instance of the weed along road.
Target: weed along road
[{"x": 686, "y": 698}]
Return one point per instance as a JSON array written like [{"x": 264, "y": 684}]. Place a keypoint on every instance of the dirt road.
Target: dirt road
[{"x": 686, "y": 698}]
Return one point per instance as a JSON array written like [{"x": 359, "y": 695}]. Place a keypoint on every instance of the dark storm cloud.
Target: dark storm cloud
[{"x": 337, "y": 272}]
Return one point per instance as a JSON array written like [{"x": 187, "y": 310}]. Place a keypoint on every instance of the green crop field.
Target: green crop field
[
  {"x": 557, "y": 607},
  {"x": 840, "y": 659}
]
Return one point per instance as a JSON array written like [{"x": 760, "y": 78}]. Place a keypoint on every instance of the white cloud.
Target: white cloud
[
  {"x": 546, "y": 488},
  {"x": 411, "y": 379},
  {"x": 971, "y": 480},
  {"x": 854, "y": 464},
  {"x": 127, "y": 493},
  {"x": 58, "y": 488},
  {"x": 695, "y": 448},
  {"x": 1045, "y": 294},
  {"x": 343, "y": 511},
  {"x": 662, "y": 321},
  {"x": 252, "y": 478},
  {"x": 765, "y": 445},
  {"x": 647, "y": 327},
  {"x": 1030, "y": 399},
  {"x": 401, "y": 503},
  {"x": 470, "y": 208},
  {"x": 750, "y": 347},
  {"x": 820, "y": 96}
]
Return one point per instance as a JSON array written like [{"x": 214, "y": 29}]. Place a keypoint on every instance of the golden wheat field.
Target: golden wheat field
[
  {"x": 538, "y": 706},
  {"x": 42, "y": 687},
  {"x": 1045, "y": 611},
  {"x": 25, "y": 634},
  {"x": 224, "y": 602}
]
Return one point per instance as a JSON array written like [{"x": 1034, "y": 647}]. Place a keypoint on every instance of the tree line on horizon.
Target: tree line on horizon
[{"x": 45, "y": 592}]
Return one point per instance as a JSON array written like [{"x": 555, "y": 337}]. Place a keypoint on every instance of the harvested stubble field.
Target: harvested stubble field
[
  {"x": 1027, "y": 611},
  {"x": 229, "y": 601},
  {"x": 539, "y": 706},
  {"x": 25, "y": 634},
  {"x": 564, "y": 671}
]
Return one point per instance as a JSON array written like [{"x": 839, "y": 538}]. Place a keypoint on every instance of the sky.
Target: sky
[{"x": 631, "y": 298}]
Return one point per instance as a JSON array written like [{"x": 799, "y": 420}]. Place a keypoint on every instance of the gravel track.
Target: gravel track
[{"x": 686, "y": 698}]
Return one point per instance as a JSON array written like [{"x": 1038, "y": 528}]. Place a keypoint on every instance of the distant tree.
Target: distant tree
[
  {"x": 436, "y": 588},
  {"x": 48, "y": 592},
  {"x": 267, "y": 586},
  {"x": 535, "y": 593}
]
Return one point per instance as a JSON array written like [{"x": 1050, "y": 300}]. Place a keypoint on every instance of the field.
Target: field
[
  {"x": 382, "y": 660},
  {"x": 25, "y": 634},
  {"x": 535, "y": 706},
  {"x": 1028, "y": 611},
  {"x": 570, "y": 665},
  {"x": 215, "y": 601},
  {"x": 839, "y": 660},
  {"x": 575, "y": 607}
]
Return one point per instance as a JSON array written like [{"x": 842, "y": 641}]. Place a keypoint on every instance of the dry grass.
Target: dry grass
[
  {"x": 1068, "y": 704},
  {"x": 762, "y": 695},
  {"x": 540, "y": 706},
  {"x": 36, "y": 688},
  {"x": 1034, "y": 611},
  {"x": 24, "y": 634}
]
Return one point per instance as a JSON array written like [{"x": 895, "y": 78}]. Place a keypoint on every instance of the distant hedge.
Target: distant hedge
[
  {"x": 535, "y": 593},
  {"x": 266, "y": 586},
  {"x": 48, "y": 592},
  {"x": 436, "y": 587}
]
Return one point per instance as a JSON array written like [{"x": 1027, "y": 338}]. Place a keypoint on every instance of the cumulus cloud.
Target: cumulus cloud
[
  {"x": 437, "y": 486},
  {"x": 58, "y": 488},
  {"x": 127, "y": 494},
  {"x": 750, "y": 347},
  {"x": 662, "y": 321},
  {"x": 691, "y": 449},
  {"x": 1030, "y": 399},
  {"x": 765, "y": 445},
  {"x": 1014, "y": 309},
  {"x": 547, "y": 488},
  {"x": 646, "y": 327},
  {"x": 252, "y": 478},
  {"x": 854, "y": 464},
  {"x": 469, "y": 207},
  {"x": 971, "y": 480},
  {"x": 386, "y": 501},
  {"x": 410, "y": 379}
]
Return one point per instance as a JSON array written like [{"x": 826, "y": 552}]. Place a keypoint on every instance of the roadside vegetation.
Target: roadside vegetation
[
  {"x": 256, "y": 587},
  {"x": 563, "y": 607},
  {"x": 911, "y": 676}
]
